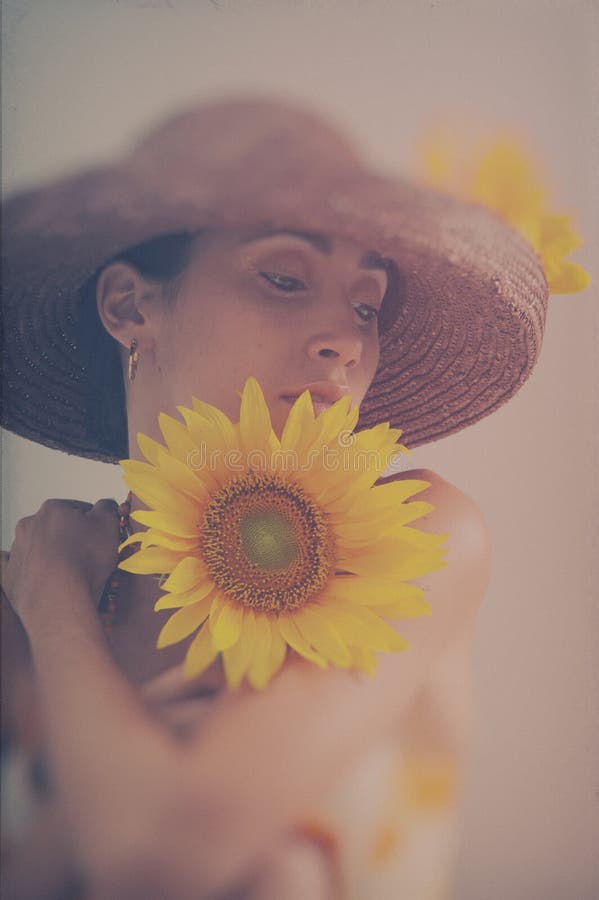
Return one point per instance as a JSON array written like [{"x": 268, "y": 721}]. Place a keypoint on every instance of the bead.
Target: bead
[{"x": 109, "y": 601}]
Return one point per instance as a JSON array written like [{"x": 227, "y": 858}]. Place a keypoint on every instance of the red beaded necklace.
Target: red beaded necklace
[{"x": 108, "y": 602}]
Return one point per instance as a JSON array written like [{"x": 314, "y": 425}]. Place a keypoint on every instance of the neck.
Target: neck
[{"x": 136, "y": 629}]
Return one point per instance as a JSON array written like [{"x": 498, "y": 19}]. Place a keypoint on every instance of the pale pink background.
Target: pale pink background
[{"x": 81, "y": 79}]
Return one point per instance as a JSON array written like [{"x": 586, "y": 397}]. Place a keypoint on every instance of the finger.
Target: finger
[
  {"x": 66, "y": 501},
  {"x": 107, "y": 504}
]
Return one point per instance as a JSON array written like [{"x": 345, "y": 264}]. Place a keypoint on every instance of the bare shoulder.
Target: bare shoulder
[
  {"x": 457, "y": 515},
  {"x": 452, "y": 507}
]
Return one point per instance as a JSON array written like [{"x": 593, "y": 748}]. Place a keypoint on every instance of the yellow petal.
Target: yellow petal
[
  {"x": 188, "y": 574},
  {"x": 383, "y": 633},
  {"x": 405, "y": 609},
  {"x": 184, "y": 598},
  {"x": 149, "y": 447},
  {"x": 186, "y": 546},
  {"x": 137, "y": 467},
  {"x": 505, "y": 180},
  {"x": 257, "y": 673},
  {"x": 300, "y": 416},
  {"x": 363, "y": 628},
  {"x": 224, "y": 434},
  {"x": 181, "y": 476},
  {"x": 255, "y": 426},
  {"x": 327, "y": 480},
  {"x": 311, "y": 437},
  {"x": 153, "y": 561},
  {"x": 558, "y": 235},
  {"x": 138, "y": 538},
  {"x": 398, "y": 490},
  {"x": 201, "y": 654},
  {"x": 358, "y": 531},
  {"x": 409, "y": 512},
  {"x": 237, "y": 658},
  {"x": 401, "y": 608},
  {"x": 171, "y": 523},
  {"x": 278, "y": 651},
  {"x": 319, "y": 632},
  {"x": 380, "y": 496},
  {"x": 337, "y": 423},
  {"x": 366, "y": 524},
  {"x": 153, "y": 490},
  {"x": 381, "y": 563},
  {"x": 184, "y": 622},
  {"x": 177, "y": 438},
  {"x": 206, "y": 444},
  {"x": 364, "y": 658},
  {"x": 149, "y": 492},
  {"x": 219, "y": 601},
  {"x": 572, "y": 279},
  {"x": 422, "y": 540},
  {"x": 347, "y": 623},
  {"x": 219, "y": 438},
  {"x": 352, "y": 469},
  {"x": 400, "y": 542},
  {"x": 227, "y": 628},
  {"x": 291, "y": 634}
]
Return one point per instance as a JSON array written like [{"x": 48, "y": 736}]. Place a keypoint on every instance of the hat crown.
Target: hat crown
[{"x": 246, "y": 135}]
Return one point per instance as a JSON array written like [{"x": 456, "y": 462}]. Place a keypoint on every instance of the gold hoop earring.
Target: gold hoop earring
[{"x": 133, "y": 359}]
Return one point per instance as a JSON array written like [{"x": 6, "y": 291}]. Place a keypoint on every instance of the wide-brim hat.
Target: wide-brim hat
[{"x": 474, "y": 295}]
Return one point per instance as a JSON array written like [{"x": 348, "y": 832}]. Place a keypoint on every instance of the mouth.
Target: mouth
[
  {"x": 319, "y": 404},
  {"x": 323, "y": 394}
]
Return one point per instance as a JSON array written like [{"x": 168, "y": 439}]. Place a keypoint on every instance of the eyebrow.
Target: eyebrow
[{"x": 323, "y": 244}]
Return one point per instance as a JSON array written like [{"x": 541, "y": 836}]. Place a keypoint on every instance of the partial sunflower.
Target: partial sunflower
[
  {"x": 270, "y": 544},
  {"x": 498, "y": 172}
]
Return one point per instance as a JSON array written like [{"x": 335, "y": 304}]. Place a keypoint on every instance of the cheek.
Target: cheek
[
  {"x": 211, "y": 348},
  {"x": 371, "y": 362}
]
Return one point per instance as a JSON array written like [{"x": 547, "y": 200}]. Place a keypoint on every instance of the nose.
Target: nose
[{"x": 345, "y": 346}]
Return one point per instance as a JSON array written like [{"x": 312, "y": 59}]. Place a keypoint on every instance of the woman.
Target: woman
[{"x": 237, "y": 239}]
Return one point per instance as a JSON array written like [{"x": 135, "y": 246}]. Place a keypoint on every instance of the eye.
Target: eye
[
  {"x": 284, "y": 282},
  {"x": 367, "y": 313}
]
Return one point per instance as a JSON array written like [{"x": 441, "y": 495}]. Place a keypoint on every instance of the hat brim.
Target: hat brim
[{"x": 466, "y": 338}]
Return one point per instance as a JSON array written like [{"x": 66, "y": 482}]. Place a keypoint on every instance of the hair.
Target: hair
[{"x": 163, "y": 259}]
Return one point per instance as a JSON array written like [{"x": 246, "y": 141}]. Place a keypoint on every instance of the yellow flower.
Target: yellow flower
[
  {"x": 498, "y": 173},
  {"x": 270, "y": 544}
]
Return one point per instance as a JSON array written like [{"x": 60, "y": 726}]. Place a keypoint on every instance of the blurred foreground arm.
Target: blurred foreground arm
[
  {"x": 153, "y": 816},
  {"x": 265, "y": 757}
]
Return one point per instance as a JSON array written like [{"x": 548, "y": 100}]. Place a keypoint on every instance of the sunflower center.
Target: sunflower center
[
  {"x": 268, "y": 540},
  {"x": 266, "y": 543}
]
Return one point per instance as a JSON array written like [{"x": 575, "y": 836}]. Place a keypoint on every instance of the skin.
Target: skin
[
  {"x": 179, "y": 810},
  {"x": 310, "y": 316}
]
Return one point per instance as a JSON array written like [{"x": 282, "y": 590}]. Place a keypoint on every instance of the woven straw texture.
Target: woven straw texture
[{"x": 471, "y": 323}]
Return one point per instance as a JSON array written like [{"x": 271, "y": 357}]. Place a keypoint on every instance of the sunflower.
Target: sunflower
[
  {"x": 266, "y": 544},
  {"x": 499, "y": 173}
]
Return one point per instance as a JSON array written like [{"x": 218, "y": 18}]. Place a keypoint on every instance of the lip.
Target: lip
[{"x": 323, "y": 393}]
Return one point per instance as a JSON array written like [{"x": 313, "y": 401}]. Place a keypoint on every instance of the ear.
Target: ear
[{"x": 125, "y": 306}]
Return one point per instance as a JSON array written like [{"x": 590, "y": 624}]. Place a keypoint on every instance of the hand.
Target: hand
[{"x": 66, "y": 542}]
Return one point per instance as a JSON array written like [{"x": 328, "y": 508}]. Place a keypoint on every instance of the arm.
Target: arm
[
  {"x": 255, "y": 744},
  {"x": 195, "y": 814}
]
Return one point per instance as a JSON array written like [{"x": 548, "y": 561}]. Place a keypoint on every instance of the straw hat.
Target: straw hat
[{"x": 473, "y": 294}]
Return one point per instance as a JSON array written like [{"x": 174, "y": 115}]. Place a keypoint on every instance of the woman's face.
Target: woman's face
[{"x": 289, "y": 308}]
